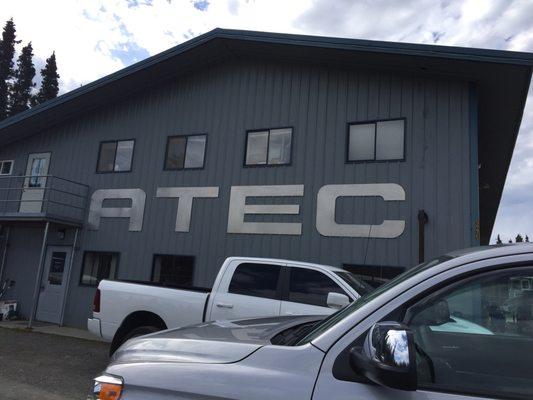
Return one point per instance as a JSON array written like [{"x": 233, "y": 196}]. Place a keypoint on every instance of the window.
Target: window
[
  {"x": 98, "y": 266},
  {"x": 476, "y": 337},
  {"x": 269, "y": 147},
  {"x": 311, "y": 287},
  {"x": 115, "y": 156},
  {"x": 259, "y": 280},
  {"x": 6, "y": 167},
  {"x": 185, "y": 152},
  {"x": 57, "y": 268},
  {"x": 170, "y": 270},
  {"x": 376, "y": 141},
  {"x": 39, "y": 166}
]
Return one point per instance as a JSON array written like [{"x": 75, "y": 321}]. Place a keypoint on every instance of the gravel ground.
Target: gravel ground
[{"x": 48, "y": 367}]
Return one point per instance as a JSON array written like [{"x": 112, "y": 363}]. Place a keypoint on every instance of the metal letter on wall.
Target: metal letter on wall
[
  {"x": 135, "y": 213},
  {"x": 185, "y": 196},
  {"x": 325, "y": 215},
  {"x": 238, "y": 209}
]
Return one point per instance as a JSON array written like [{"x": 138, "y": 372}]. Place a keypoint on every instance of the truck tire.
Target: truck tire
[{"x": 136, "y": 332}]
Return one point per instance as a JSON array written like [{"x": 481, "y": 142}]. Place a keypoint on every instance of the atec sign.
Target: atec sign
[{"x": 326, "y": 200}]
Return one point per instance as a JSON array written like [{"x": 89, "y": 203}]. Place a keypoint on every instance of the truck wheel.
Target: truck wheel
[{"x": 139, "y": 331}]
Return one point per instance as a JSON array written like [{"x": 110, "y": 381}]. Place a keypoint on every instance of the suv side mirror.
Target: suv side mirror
[
  {"x": 337, "y": 300},
  {"x": 388, "y": 357}
]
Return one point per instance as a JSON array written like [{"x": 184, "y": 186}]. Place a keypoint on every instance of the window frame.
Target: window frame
[
  {"x": 279, "y": 286},
  {"x": 375, "y": 122},
  {"x": 461, "y": 273},
  {"x": 245, "y": 165},
  {"x": 449, "y": 286},
  {"x": 185, "y": 153},
  {"x": 81, "y": 283},
  {"x": 10, "y": 169},
  {"x": 173, "y": 255},
  {"x": 115, "y": 158}
]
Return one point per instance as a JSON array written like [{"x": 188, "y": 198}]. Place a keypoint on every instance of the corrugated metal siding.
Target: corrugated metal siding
[{"x": 226, "y": 100}]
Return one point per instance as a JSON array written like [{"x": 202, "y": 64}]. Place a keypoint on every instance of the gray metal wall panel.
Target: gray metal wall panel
[{"x": 226, "y": 100}]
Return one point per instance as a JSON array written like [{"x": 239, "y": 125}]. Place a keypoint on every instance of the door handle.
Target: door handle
[{"x": 224, "y": 305}]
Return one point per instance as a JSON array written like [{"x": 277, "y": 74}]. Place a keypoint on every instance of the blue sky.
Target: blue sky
[{"x": 93, "y": 38}]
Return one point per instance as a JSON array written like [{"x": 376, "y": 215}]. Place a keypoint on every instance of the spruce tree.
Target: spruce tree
[
  {"x": 527, "y": 239},
  {"x": 498, "y": 240},
  {"x": 50, "y": 82},
  {"x": 7, "y": 52},
  {"x": 22, "y": 87},
  {"x": 519, "y": 238}
]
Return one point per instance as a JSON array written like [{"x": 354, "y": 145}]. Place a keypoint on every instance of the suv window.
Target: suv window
[
  {"x": 259, "y": 280},
  {"x": 311, "y": 287},
  {"x": 476, "y": 337}
]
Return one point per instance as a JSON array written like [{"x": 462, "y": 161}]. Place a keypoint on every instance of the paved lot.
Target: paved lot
[{"x": 47, "y": 367}]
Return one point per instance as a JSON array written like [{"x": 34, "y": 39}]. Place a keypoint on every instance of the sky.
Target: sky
[{"x": 93, "y": 38}]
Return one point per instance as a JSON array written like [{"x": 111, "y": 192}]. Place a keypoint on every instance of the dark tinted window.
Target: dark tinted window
[
  {"x": 98, "y": 266},
  {"x": 6, "y": 167},
  {"x": 260, "y": 280},
  {"x": 269, "y": 147},
  {"x": 115, "y": 156},
  {"x": 311, "y": 287},
  {"x": 173, "y": 270},
  {"x": 106, "y": 161},
  {"x": 476, "y": 337},
  {"x": 376, "y": 141},
  {"x": 185, "y": 152}
]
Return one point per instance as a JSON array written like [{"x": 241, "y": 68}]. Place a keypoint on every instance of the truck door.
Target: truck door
[
  {"x": 253, "y": 291},
  {"x": 473, "y": 338}
]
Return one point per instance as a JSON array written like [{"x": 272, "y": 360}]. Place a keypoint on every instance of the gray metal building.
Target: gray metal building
[{"x": 362, "y": 154}]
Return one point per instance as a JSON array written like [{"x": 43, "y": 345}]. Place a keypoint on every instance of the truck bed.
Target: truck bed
[{"x": 175, "y": 306}]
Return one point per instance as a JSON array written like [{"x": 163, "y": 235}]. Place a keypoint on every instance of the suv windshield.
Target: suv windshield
[
  {"x": 333, "y": 319},
  {"x": 357, "y": 284}
]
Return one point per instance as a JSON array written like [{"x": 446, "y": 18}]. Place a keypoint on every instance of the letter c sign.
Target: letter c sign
[{"x": 325, "y": 215}]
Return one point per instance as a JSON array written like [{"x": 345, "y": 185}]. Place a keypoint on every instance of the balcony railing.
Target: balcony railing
[{"x": 42, "y": 197}]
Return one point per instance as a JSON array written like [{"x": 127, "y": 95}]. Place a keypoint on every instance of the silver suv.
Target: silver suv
[{"x": 457, "y": 327}]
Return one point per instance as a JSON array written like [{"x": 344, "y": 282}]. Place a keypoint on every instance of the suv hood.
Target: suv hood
[{"x": 215, "y": 342}]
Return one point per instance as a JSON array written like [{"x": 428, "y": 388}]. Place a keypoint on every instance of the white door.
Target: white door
[
  {"x": 53, "y": 284},
  {"x": 254, "y": 291},
  {"x": 34, "y": 183}
]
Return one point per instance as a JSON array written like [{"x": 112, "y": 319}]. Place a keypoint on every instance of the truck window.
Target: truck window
[
  {"x": 173, "y": 270},
  {"x": 308, "y": 286},
  {"x": 476, "y": 337},
  {"x": 259, "y": 280}
]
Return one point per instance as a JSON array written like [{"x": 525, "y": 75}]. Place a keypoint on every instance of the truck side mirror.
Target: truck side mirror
[
  {"x": 337, "y": 300},
  {"x": 388, "y": 357}
]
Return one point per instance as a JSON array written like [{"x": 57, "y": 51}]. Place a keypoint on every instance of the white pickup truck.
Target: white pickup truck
[{"x": 244, "y": 288}]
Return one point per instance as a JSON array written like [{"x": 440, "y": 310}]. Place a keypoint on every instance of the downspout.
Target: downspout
[
  {"x": 422, "y": 221},
  {"x": 4, "y": 253},
  {"x": 474, "y": 167},
  {"x": 71, "y": 262},
  {"x": 38, "y": 279}
]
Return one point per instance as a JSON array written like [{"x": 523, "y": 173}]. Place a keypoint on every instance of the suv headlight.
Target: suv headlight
[{"x": 107, "y": 387}]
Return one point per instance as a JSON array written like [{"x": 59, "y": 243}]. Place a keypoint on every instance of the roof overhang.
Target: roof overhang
[{"x": 502, "y": 79}]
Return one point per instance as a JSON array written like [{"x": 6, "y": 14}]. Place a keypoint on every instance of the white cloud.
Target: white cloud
[
  {"x": 97, "y": 37},
  {"x": 85, "y": 34}
]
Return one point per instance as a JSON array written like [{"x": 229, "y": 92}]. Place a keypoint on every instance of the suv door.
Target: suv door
[
  {"x": 473, "y": 339},
  {"x": 253, "y": 291},
  {"x": 307, "y": 292}
]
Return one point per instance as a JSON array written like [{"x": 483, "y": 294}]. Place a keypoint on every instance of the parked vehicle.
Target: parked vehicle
[
  {"x": 434, "y": 332},
  {"x": 244, "y": 288}
]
